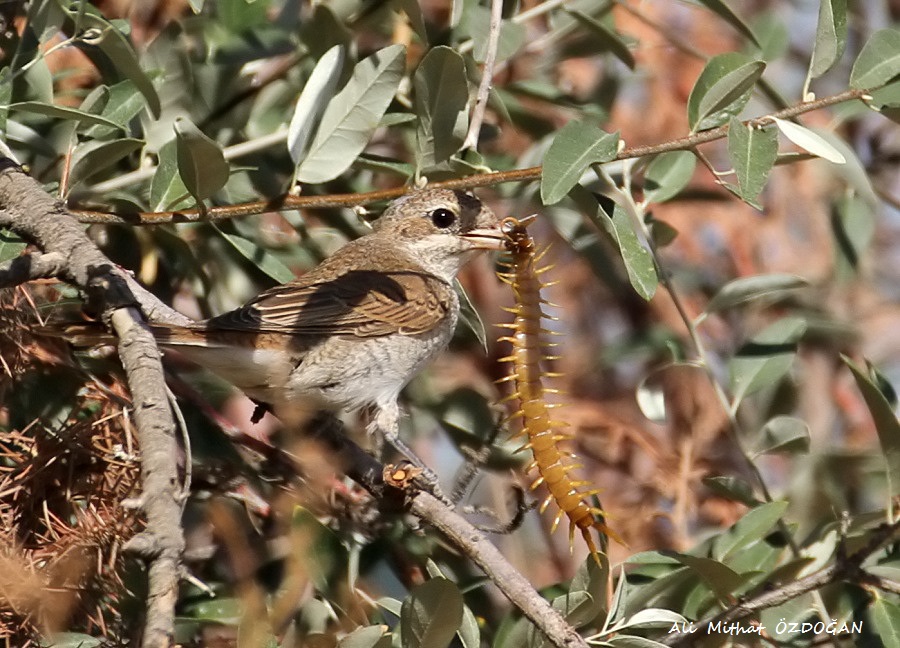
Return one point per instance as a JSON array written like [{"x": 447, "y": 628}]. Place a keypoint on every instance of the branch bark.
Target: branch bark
[
  {"x": 67, "y": 252},
  {"x": 368, "y": 472}
]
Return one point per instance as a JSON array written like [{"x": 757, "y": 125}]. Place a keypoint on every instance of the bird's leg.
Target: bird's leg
[{"x": 387, "y": 422}]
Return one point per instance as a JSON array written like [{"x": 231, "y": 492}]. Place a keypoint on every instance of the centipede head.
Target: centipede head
[{"x": 518, "y": 241}]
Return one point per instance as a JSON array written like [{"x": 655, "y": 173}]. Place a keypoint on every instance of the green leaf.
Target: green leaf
[
  {"x": 70, "y": 640},
  {"x": 886, "y": 423},
  {"x": 240, "y": 16},
  {"x": 745, "y": 289},
  {"x": 61, "y": 112},
  {"x": 633, "y": 641},
  {"x": 442, "y": 92},
  {"x": 6, "y": 90},
  {"x": 123, "y": 103},
  {"x": 668, "y": 174},
  {"x": 38, "y": 83},
  {"x": 638, "y": 260},
  {"x": 749, "y": 529},
  {"x": 368, "y": 637},
  {"x": 167, "y": 191},
  {"x": 45, "y": 19},
  {"x": 414, "y": 13},
  {"x": 322, "y": 552},
  {"x": 607, "y": 37},
  {"x": 11, "y": 245},
  {"x": 722, "y": 90},
  {"x": 764, "y": 360},
  {"x": 201, "y": 164},
  {"x": 878, "y": 62},
  {"x": 431, "y": 615},
  {"x": 575, "y": 147},
  {"x": 478, "y": 24},
  {"x": 650, "y": 392},
  {"x": 260, "y": 257},
  {"x": 725, "y": 13},
  {"x": 831, "y": 37},
  {"x": 317, "y": 92},
  {"x": 783, "y": 434},
  {"x": 721, "y": 579},
  {"x": 353, "y": 115},
  {"x": 226, "y": 611},
  {"x": 753, "y": 152},
  {"x": 120, "y": 53},
  {"x": 593, "y": 579},
  {"x": 733, "y": 488},
  {"x": 809, "y": 141},
  {"x": 392, "y": 605},
  {"x": 577, "y": 607},
  {"x": 853, "y": 172},
  {"x": 468, "y": 633},
  {"x": 853, "y": 226},
  {"x": 885, "y": 615},
  {"x": 469, "y": 316},
  {"x": 663, "y": 234},
  {"x": 96, "y": 156},
  {"x": 652, "y": 617}
]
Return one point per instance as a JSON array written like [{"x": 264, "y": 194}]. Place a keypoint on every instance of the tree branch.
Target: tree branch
[
  {"x": 368, "y": 472},
  {"x": 162, "y": 543},
  {"x": 32, "y": 213},
  {"x": 288, "y": 202},
  {"x": 29, "y": 267},
  {"x": 848, "y": 568}
]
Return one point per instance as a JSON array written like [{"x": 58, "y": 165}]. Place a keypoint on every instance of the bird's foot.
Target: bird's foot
[{"x": 427, "y": 479}]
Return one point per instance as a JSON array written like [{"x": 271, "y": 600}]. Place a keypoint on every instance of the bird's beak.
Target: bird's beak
[{"x": 486, "y": 238}]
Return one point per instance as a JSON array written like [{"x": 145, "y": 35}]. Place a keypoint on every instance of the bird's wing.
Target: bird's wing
[{"x": 361, "y": 303}]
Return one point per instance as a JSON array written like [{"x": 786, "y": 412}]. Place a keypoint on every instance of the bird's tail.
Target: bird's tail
[
  {"x": 90, "y": 334},
  {"x": 79, "y": 334}
]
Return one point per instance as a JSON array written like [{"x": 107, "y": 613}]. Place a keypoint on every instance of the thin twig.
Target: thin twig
[
  {"x": 487, "y": 76},
  {"x": 480, "y": 180}
]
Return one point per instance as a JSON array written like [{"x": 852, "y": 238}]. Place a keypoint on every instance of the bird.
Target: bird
[{"x": 353, "y": 331}]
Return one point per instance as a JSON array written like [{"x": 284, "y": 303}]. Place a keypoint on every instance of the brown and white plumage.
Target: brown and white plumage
[{"x": 354, "y": 330}]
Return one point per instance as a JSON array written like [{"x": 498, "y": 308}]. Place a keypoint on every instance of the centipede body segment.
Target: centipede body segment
[{"x": 530, "y": 351}]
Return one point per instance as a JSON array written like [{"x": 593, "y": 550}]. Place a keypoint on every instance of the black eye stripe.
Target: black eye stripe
[{"x": 442, "y": 217}]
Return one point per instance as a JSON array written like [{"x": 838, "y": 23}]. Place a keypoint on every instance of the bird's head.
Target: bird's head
[{"x": 441, "y": 228}]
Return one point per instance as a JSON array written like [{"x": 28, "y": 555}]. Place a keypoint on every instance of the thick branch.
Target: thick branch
[
  {"x": 29, "y": 211},
  {"x": 29, "y": 267},
  {"x": 368, "y": 472},
  {"x": 481, "y": 180},
  {"x": 163, "y": 542}
]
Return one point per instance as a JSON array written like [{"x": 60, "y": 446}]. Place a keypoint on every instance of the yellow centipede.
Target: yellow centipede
[{"x": 529, "y": 351}]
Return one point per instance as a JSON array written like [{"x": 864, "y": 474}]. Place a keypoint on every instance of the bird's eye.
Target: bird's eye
[{"x": 442, "y": 217}]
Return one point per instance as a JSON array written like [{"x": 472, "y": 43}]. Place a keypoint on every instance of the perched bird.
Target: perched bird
[{"x": 354, "y": 330}]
